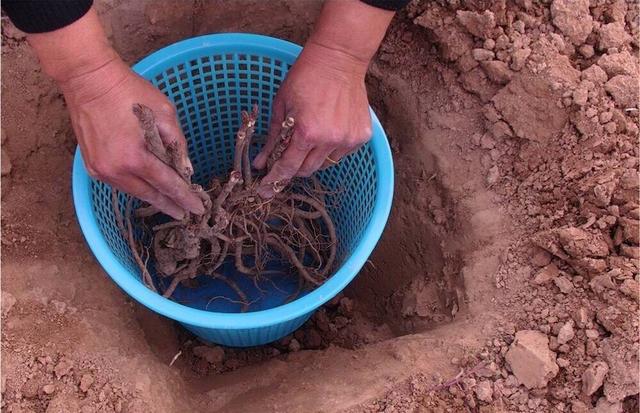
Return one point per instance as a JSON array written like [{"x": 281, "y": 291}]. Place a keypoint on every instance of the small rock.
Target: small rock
[
  {"x": 591, "y": 333},
  {"x": 581, "y": 317},
  {"x": 604, "y": 406},
  {"x": 613, "y": 35},
  {"x": 631, "y": 288},
  {"x": 605, "y": 117},
  {"x": 566, "y": 333},
  {"x": 478, "y": 24},
  {"x": 618, "y": 64},
  {"x": 564, "y": 284},
  {"x": 85, "y": 382},
  {"x": 346, "y": 307},
  {"x": 214, "y": 355},
  {"x": 601, "y": 283},
  {"x": 580, "y": 96},
  {"x": 593, "y": 377},
  {"x": 623, "y": 89},
  {"x": 8, "y": 301},
  {"x": 519, "y": 26},
  {"x": 489, "y": 44},
  {"x": 313, "y": 339},
  {"x": 595, "y": 74},
  {"x": 31, "y": 387},
  {"x": 562, "y": 362},
  {"x": 519, "y": 58},
  {"x": 546, "y": 274},
  {"x": 493, "y": 175},
  {"x": 482, "y": 55},
  {"x": 484, "y": 391},
  {"x": 49, "y": 388},
  {"x": 586, "y": 50},
  {"x": 487, "y": 142},
  {"x": 294, "y": 345},
  {"x": 63, "y": 367},
  {"x": 497, "y": 71},
  {"x": 531, "y": 360},
  {"x": 5, "y": 163},
  {"x": 541, "y": 258},
  {"x": 573, "y": 18},
  {"x": 322, "y": 321},
  {"x": 578, "y": 406}
]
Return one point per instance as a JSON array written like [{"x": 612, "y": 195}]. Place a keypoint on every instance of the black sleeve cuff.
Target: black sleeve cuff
[
  {"x": 393, "y": 5},
  {"x": 39, "y": 16}
]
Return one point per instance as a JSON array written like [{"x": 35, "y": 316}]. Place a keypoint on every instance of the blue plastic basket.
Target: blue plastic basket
[{"x": 210, "y": 79}]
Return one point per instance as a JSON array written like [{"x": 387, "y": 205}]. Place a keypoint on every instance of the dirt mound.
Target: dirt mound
[{"x": 506, "y": 280}]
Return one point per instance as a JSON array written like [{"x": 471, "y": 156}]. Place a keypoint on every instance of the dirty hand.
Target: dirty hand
[
  {"x": 100, "y": 90},
  {"x": 325, "y": 92},
  {"x": 112, "y": 143}
]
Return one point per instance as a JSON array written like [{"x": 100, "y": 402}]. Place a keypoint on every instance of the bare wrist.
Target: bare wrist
[{"x": 74, "y": 50}]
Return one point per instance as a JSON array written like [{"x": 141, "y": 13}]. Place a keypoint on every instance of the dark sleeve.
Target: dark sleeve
[
  {"x": 38, "y": 16},
  {"x": 393, "y": 5}
]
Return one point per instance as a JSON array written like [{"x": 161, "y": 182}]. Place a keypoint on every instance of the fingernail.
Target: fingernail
[{"x": 199, "y": 210}]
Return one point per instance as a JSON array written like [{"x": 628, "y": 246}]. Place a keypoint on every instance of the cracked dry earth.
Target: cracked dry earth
[{"x": 506, "y": 279}]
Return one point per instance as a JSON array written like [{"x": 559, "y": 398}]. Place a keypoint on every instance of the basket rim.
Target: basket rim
[{"x": 81, "y": 188}]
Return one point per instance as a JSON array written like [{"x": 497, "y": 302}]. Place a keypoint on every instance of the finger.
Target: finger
[
  {"x": 314, "y": 161},
  {"x": 166, "y": 180},
  {"x": 171, "y": 134},
  {"x": 140, "y": 189},
  {"x": 285, "y": 168},
  {"x": 336, "y": 156},
  {"x": 277, "y": 117}
]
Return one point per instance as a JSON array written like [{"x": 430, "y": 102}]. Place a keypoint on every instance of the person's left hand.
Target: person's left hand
[{"x": 325, "y": 93}]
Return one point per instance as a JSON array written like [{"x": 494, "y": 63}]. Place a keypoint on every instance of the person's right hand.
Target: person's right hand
[{"x": 111, "y": 140}]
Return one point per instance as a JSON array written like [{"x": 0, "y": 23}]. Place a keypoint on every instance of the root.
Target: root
[
  {"x": 237, "y": 223},
  {"x": 146, "y": 277}
]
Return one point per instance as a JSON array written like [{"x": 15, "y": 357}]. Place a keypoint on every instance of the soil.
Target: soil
[{"x": 506, "y": 279}]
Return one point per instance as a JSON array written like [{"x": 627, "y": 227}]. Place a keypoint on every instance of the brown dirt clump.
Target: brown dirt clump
[{"x": 506, "y": 280}]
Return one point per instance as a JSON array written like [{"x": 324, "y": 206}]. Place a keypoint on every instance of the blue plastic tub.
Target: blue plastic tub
[{"x": 210, "y": 79}]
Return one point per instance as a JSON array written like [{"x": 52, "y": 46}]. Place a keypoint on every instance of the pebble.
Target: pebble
[
  {"x": 531, "y": 360},
  {"x": 592, "y": 334},
  {"x": 566, "y": 333},
  {"x": 593, "y": 377},
  {"x": 605, "y": 406},
  {"x": 294, "y": 345},
  {"x": 541, "y": 258},
  {"x": 546, "y": 274},
  {"x": 482, "y": 55},
  {"x": 8, "y": 301},
  {"x": 346, "y": 307},
  {"x": 63, "y": 367},
  {"x": 564, "y": 284},
  {"x": 48, "y": 388},
  {"x": 562, "y": 362},
  {"x": 484, "y": 391},
  {"x": 586, "y": 50},
  {"x": 631, "y": 288},
  {"x": 85, "y": 382},
  {"x": 313, "y": 339}
]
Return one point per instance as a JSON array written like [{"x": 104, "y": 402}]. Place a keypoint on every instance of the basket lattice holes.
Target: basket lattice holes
[{"x": 209, "y": 93}]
